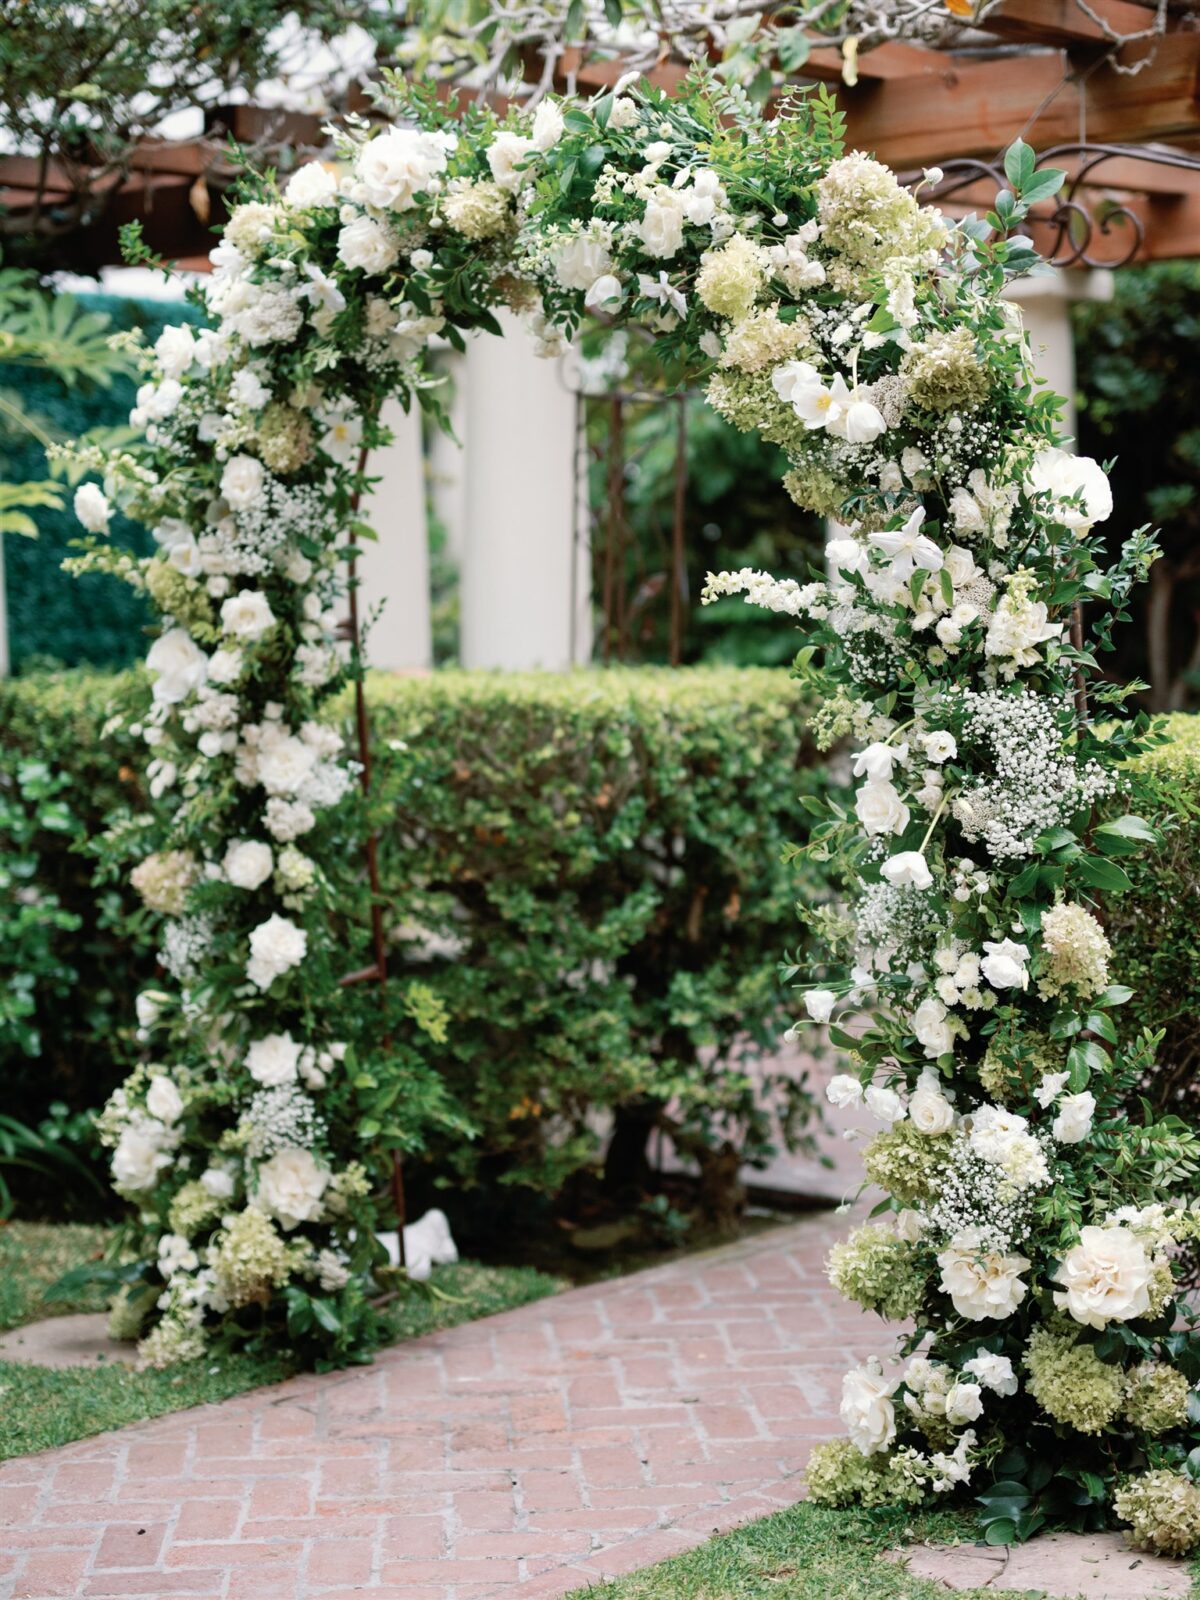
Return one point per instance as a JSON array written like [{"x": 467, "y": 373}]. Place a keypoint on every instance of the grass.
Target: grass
[
  {"x": 813, "y": 1553},
  {"x": 47, "y": 1406}
]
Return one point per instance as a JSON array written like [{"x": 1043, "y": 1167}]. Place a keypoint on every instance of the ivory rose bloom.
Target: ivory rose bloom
[
  {"x": 1074, "y": 1120},
  {"x": 909, "y": 867},
  {"x": 880, "y": 809},
  {"x": 92, "y": 507},
  {"x": 505, "y": 156},
  {"x": 178, "y": 664},
  {"x": 885, "y": 1104},
  {"x": 929, "y": 1110},
  {"x": 932, "y": 1027},
  {"x": 867, "y": 1410},
  {"x": 982, "y": 1284},
  {"x": 276, "y": 946},
  {"x": 163, "y": 1100},
  {"x": 1062, "y": 476},
  {"x": 139, "y": 1157},
  {"x": 661, "y": 229},
  {"x": 1003, "y": 964},
  {"x": 993, "y": 1372},
  {"x": 365, "y": 246},
  {"x": 582, "y": 259},
  {"x": 397, "y": 165},
  {"x": 964, "y": 1403},
  {"x": 1105, "y": 1277},
  {"x": 273, "y": 1061},
  {"x": 290, "y": 1187},
  {"x": 247, "y": 615},
  {"x": 248, "y": 864}
]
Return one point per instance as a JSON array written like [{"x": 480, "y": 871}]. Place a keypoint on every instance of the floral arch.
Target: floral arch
[{"x": 1029, "y": 1230}]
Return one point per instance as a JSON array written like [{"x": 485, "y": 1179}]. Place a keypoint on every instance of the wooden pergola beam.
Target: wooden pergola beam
[{"x": 1062, "y": 24}]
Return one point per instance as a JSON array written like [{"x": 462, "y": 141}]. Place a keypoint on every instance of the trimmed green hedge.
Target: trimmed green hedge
[
  {"x": 1157, "y": 928},
  {"x": 586, "y": 868}
]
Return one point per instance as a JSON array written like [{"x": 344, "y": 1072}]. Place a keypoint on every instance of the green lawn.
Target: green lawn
[
  {"x": 811, "y": 1553},
  {"x": 44, "y": 1406}
]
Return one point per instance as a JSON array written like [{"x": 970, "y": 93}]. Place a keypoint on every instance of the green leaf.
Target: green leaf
[
  {"x": 792, "y": 48},
  {"x": 1019, "y": 165},
  {"x": 1003, "y": 1531},
  {"x": 1115, "y": 995},
  {"x": 1125, "y": 835},
  {"x": 1102, "y": 874},
  {"x": 1042, "y": 185}
]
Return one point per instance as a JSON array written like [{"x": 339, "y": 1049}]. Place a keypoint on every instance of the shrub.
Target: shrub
[
  {"x": 585, "y": 869},
  {"x": 1155, "y": 926}
]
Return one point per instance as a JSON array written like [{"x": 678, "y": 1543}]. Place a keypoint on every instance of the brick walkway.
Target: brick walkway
[{"x": 531, "y": 1453}]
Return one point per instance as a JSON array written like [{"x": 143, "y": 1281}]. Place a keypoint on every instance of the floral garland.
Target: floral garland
[{"x": 1030, "y": 1229}]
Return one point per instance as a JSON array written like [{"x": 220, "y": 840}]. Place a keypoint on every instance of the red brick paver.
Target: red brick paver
[{"x": 533, "y": 1452}]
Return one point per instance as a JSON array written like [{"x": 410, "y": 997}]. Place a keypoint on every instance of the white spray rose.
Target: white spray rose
[
  {"x": 1064, "y": 477},
  {"x": 929, "y": 1110},
  {"x": 843, "y": 1090},
  {"x": 138, "y": 1159},
  {"x": 994, "y": 1372},
  {"x": 163, "y": 1100},
  {"x": 178, "y": 664},
  {"x": 398, "y": 164},
  {"x": 276, "y": 946},
  {"x": 274, "y": 1060},
  {"x": 242, "y": 483},
  {"x": 582, "y": 259},
  {"x": 885, "y": 1104},
  {"x": 290, "y": 1187},
  {"x": 1003, "y": 964},
  {"x": 867, "y": 1411},
  {"x": 964, "y": 1403},
  {"x": 661, "y": 229},
  {"x": 1074, "y": 1120},
  {"x": 932, "y": 1027},
  {"x": 247, "y": 615},
  {"x": 92, "y": 507},
  {"x": 909, "y": 867},
  {"x": 505, "y": 156},
  {"x": 547, "y": 125},
  {"x": 880, "y": 809},
  {"x": 248, "y": 864},
  {"x": 176, "y": 350},
  {"x": 364, "y": 245},
  {"x": 1105, "y": 1277}
]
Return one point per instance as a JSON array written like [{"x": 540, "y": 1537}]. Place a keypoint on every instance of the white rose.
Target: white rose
[
  {"x": 843, "y": 1090},
  {"x": 661, "y": 229},
  {"x": 1063, "y": 476},
  {"x": 964, "y": 1403},
  {"x": 910, "y": 1225},
  {"x": 880, "y": 809},
  {"x": 247, "y": 615},
  {"x": 547, "y": 125},
  {"x": 242, "y": 483},
  {"x": 248, "y": 864},
  {"x": 284, "y": 765},
  {"x": 148, "y": 1006},
  {"x": 1003, "y": 965},
  {"x": 163, "y": 1099},
  {"x": 931, "y": 1113},
  {"x": 909, "y": 866},
  {"x": 877, "y": 761},
  {"x": 138, "y": 1159},
  {"x": 1105, "y": 1277},
  {"x": 819, "y": 1004},
  {"x": 176, "y": 350},
  {"x": 994, "y": 1372},
  {"x": 273, "y": 1061},
  {"x": 218, "y": 1182},
  {"x": 179, "y": 666},
  {"x": 397, "y": 165},
  {"x": 313, "y": 185},
  {"x": 1050, "y": 1087},
  {"x": 867, "y": 1410},
  {"x": 932, "y": 1027},
  {"x": 225, "y": 666},
  {"x": 504, "y": 156},
  {"x": 885, "y": 1104},
  {"x": 981, "y": 1283},
  {"x": 276, "y": 946},
  {"x": 1074, "y": 1120},
  {"x": 363, "y": 245},
  {"x": 581, "y": 260},
  {"x": 604, "y": 294},
  {"x": 845, "y": 555},
  {"x": 960, "y": 564},
  {"x": 939, "y": 746},
  {"x": 290, "y": 1187},
  {"x": 92, "y": 507}
]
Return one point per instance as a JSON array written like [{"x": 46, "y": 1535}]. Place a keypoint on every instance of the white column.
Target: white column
[
  {"x": 1045, "y": 303},
  {"x": 394, "y": 572},
  {"x": 520, "y": 576},
  {"x": 448, "y": 456}
]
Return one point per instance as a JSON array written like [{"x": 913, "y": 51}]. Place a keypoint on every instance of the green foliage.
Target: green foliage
[
  {"x": 1140, "y": 401},
  {"x": 33, "y": 1257}
]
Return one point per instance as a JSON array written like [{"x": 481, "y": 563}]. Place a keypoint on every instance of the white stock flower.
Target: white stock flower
[
  {"x": 880, "y": 809},
  {"x": 1074, "y": 1120},
  {"x": 178, "y": 664},
  {"x": 1003, "y": 964},
  {"x": 242, "y": 483},
  {"x": 92, "y": 507},
  {"x": 273, "y": 1060},
  {"x": 276, "y": 946},
  {"x": 1105, "y": 1277},
  {"x": 866, "y": 1410},
  {"x": 290, "y": 1187},
  {"x": 163, "y": 1100},
  {"x": 983, "y": 1284},
  {"x": 247, "y": 615},
  {"x": 364, "y": 245},
  {"x": 661, "y": 228},
  {"x": 1065, "y": 477},
  {"x": 248, "y": 864},
  {"x": 843, "y": 1090},
  {"x": 993, "y": 1372},
  {"x": 884, "y": 1104},
  {"x": 964, "y": 1403},
  {"x": 909, "y": 867},
  {"x": 505, "y": 157},
  {"x": 819, "y": 1004}
]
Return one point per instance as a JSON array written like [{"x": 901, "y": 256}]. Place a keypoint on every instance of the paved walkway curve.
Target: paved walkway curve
[{"x": 532, "y": 1453}]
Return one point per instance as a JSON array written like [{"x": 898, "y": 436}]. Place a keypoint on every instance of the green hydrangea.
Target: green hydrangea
[
  {"x": 1163, "y": 1509},
  {"x": 908, "y": 1164},
  {"x": 838, "y": 1475},
  {"x": 879, "y": 1271},
  {"x": 1070, "y": 1382},
  {"x": 250, "y": 1259},
  {"x": 813, "y": 488},
  {"x": 748, "y": 400},
  {"x": 191, "y": 1209},
  {"x": 173, "y": 1340},
  {"x": 171, "y": 592},
  {"x": 1156, "y": 1397},
  {"x": 285, "y": 438},
  {"x": 1008, "y": 1074},
  {"x": 945, "y": 373},
  {"x": 868, "y": 221},
  {"x": 129, "y": 1309}
]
